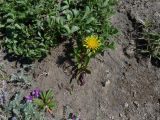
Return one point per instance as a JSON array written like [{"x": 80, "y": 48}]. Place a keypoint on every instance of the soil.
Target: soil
[{"x": 123, "y": 85}]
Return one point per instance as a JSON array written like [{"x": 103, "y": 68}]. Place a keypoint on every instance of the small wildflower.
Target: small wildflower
[
  {"x": 72, "y": 116},
  {"x": 28, "y": 98},
  {"x": 92, "y": 43},
  {"x": 35, "y": 93}
]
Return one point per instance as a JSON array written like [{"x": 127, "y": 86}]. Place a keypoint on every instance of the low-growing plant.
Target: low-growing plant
[
  {"x": 68, "y": 114},
  {"x": 153, "y": 44},
  {"x": 46, "y": 101},
  {"x": 31, "y": 27},
  {"x": 97, "y": 39},
  {"x": 90, "y": 47},
  {"x": 19, "y": 110},
  {"x": 34, "y": 94},
  {"x": 73, "y": 116},
  {"x": 22, "y": 77}
]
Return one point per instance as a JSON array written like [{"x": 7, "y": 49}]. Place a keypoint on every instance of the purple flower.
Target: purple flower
[
  {"x": 28, "y": 98},
  {"x": 35, "y": 93},
  {"x": 72, "y": 116}
]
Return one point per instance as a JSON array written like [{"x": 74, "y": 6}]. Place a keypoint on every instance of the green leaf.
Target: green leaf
[
  {"x": 87, "y": 12},
  {"x": 74, "y": 29},
  {"x": 105, "y": 3},
  {"x": 87, "y": 59},
  {"x": 75, "y": 12},
  {"x": 69, "y": 17},
  {"x": 65, "y": 7},
  {"x": 52, "y": 104},
  {"x": 17, "y": 26},
  {"x": 39, "y": 103},
  {"x": 79, "y": 66},
  {"x": 67, "y": 29},
  {"x": 49, "y": 95},
  {"x": 91, "y": 19},
  {"x": 39, "y": 34},
  {"x": 1, "y": 26},
  {"x": 10, "y": 20},
  {"x": 111, "y": 45}
]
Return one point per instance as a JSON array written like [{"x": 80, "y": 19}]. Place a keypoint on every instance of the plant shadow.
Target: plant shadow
[
  {"x": 66, "y": 57},
  {"x": 67, "y": 62},
  {"x": 19, "y": 59}
]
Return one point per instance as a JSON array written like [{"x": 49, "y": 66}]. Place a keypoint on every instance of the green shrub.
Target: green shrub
[
  {"x": 25, "y": 24},
  {"x": 31, "y": 27}
]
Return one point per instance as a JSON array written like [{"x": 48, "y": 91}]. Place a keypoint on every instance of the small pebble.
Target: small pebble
[
  {"x": 126, "y": 105},
  {"x": 129, "y": 51},
  {"x": 120, "y": 115}
]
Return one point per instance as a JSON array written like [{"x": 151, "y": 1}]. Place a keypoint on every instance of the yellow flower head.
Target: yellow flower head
[{"x": 92, "y": 43}]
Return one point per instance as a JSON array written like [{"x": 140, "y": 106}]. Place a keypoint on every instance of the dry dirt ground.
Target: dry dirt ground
[{"x": 122, "y": 85}]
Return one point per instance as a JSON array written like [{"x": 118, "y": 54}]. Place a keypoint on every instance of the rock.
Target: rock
[
  {"x": 126, "y": 105},
  {"x": 129, "y": 51},
  {"x": 120, "y": 115}
]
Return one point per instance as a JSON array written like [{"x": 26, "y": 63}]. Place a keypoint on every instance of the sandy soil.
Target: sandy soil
[{"x": 123, "y": 85}]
